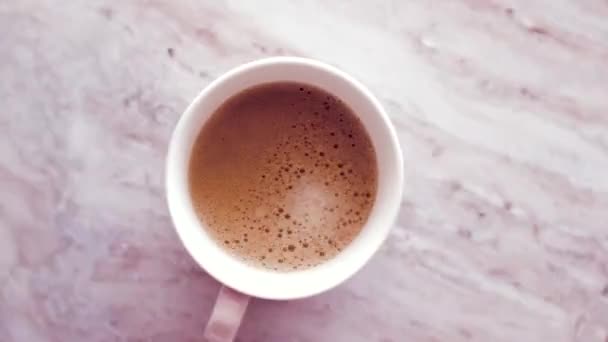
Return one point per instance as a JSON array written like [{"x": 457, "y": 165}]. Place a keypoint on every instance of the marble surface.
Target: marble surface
[{"x": 501, "y": 108}]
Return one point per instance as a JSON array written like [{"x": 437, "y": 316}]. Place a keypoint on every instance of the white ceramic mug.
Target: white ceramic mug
[{"x": 240, "y": 279}]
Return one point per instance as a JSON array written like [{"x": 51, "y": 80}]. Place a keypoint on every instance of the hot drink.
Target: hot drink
[{"x": 283, "y": 175}]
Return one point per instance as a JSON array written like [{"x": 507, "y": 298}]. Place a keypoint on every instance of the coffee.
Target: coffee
[{"x": 283, "y": 175}]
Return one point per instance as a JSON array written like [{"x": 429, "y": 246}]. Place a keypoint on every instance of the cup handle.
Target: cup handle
[{"x": 226, "y": 316}]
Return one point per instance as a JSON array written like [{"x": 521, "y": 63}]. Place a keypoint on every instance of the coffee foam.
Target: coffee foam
[{"x": 284, "y": 175}]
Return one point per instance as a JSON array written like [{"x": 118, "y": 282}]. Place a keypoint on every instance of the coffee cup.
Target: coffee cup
[{"x": 240, "y": 280}]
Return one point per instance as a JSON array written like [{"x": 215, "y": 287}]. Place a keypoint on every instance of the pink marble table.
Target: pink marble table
[{"x": 501, "y": 108}]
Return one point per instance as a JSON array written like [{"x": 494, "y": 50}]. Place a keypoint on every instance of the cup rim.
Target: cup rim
[{"x": 175, "y": 144}]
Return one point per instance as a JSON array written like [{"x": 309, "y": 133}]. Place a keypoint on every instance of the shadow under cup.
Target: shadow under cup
[{"x": 258, "y": 282}]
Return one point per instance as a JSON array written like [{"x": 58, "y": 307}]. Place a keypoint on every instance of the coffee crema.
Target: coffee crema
[{"x": 283, "y": 175}]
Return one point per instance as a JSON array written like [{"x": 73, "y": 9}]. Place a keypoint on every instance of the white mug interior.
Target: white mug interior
[{"x": 259, "y": 282}]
